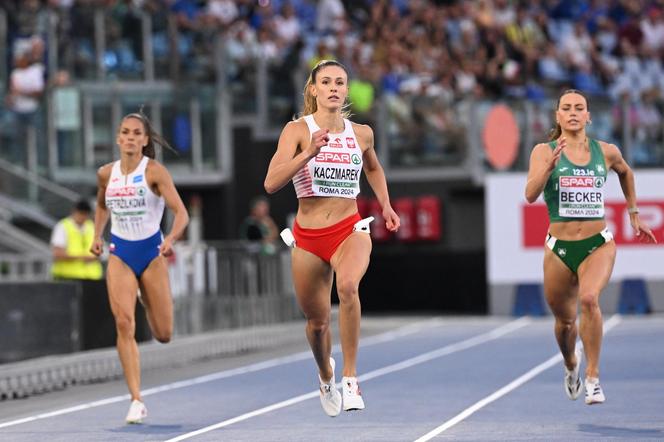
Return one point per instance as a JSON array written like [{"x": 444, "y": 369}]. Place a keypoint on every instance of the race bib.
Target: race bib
[{"x": 581, "y": 197}]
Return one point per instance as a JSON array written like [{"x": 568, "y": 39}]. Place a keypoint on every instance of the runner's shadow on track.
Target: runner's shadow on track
[
  {"x": 146, "y": 429},
  {"x": 609, "y": 431}
]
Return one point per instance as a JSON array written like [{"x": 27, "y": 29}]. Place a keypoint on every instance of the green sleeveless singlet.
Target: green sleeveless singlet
[{"x": 576, "y": 193}]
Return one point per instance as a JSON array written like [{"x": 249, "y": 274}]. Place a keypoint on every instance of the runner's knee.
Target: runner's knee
[
  {"x": 318, "y": 326},
  {"x": 347, "y": 289},
  {"x": 125, "y": 325},
  {"x": 589, "y": 301},
  {"x": 566, "y": 324}
]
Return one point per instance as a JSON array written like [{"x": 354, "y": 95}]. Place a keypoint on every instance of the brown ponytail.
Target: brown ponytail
[
  {"x": 153, "y": 137},
  {"x": 310, "y": 106},
  {"x": 557, "y": 130}
]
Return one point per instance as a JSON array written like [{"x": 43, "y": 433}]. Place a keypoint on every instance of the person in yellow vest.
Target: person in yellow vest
[{"x": 71, "y": 240}]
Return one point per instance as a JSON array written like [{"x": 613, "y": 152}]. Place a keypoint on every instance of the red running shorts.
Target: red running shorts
[{"x": 324, "y": 242}]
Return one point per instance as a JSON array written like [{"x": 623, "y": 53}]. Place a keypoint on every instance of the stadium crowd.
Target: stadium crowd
[{"x": 440, "y": 51}]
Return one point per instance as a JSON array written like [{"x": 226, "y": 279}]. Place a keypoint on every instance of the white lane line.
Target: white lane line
[
  {"x": 372, "y": 340},
  {"x": 516, "y": 383},
  {"x": 424, "y": 357}
]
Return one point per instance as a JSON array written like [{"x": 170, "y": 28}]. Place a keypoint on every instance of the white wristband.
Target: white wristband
[{"x": 632, "y": 210}]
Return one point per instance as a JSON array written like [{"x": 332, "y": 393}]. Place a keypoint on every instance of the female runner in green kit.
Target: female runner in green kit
[{"x": 580, "y": 252}]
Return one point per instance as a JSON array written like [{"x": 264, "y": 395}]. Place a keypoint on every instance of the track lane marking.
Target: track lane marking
[
  {"x": 402, "y": 365},
  {"x": 516, "y": 383},
  {"x": 251, "y": 368}
]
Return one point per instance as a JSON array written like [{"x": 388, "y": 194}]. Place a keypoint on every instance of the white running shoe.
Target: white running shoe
[
  {"x": 594, "y": 393},
  {"x": 352, "y": 394},
  {"x": 330, "y": 398},
  {"x": 137, "y": 412},
  {"x": 573, "y": 384}
]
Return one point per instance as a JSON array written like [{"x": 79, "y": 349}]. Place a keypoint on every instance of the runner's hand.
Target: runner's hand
[
  {"x": 562, "y": 143},
  {"x": 166, "y": 247},
  {"x": 392, "y": 221},
  {"x": 318, "y": 140},
  {"x": 97, "y": 247},
  {"x": 643, "y": 232}
]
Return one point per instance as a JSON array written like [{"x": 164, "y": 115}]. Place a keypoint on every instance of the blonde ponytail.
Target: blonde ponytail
[{"x": 310, "y": 106}]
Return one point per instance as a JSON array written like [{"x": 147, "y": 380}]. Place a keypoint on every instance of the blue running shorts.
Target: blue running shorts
[{"x": 136, "y": 254}]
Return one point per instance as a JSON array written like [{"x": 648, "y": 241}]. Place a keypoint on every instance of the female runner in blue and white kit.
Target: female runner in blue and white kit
[
  {"x": 579, "y": 254},
  {"x": 324, "y": 153},
  {"x": 132, "y": 191}
]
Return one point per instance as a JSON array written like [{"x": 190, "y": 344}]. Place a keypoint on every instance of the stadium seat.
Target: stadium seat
[
  {"x": 528, "y": 300},
  {"x": 634, "y": 299}
]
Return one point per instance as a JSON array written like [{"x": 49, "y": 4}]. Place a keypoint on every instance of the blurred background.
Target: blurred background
[{"x": 457, "y": 92}]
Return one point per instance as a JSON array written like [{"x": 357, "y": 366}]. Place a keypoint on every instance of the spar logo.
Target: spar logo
[
  {"x": 356, "y": 159},
  {"x": 574, "y": 181},
  {"x": 121, "y": 191},
  {"x": 333, "y": 157},
  {"x": 336, "y": 144}
]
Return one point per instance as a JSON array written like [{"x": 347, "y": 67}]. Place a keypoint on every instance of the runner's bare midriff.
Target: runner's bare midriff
[
  {"x": 319, "y": 212},
  {"x": 576, "y": 230}
]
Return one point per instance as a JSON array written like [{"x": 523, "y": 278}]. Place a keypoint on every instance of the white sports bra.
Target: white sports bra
[
  {"x": 136, "y": 211},
  {"x": 335, "y": 171}
]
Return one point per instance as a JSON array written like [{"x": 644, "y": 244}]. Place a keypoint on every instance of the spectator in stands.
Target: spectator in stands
[
  {"x": 82, "y": 36},
  {"x": 329, "y": 16},
  {"x": 259, "y": 227},
  {"x": 503, "y": 13},
  {"x": 27, "y": 19},
  {"x": 71, "y": 240},
  {"x": 525, "y": 40},
  {"x": 577, "y": 46},
  {"x": 652, "y": 28},
  {"x": 362, "y": 94},
  {"x": 323, "y": 153},
  {"x": 132, "y": 192},
  {"x": 188, "y": 16},
  {"x": 491, "y": 48},
  {"x": 323, "y": 52},
  {"x": 222, "y": 12},
  {"x": 26, "y": 83},
  {"x": 286, "y": 25},
  {"x": 26, "y": 88},
  {"x": 580, "y": 251},
  {"x": 550, "y": 68}
]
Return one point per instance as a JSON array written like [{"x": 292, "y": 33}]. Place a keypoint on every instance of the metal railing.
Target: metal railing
[
  {"x": 216, "y": 286},
  {"x": 27, "y": 198},
  {"x": 25, "y": 267},
  {"x": 3, "y": 49},
  {"x": 416, "y": 150},
  {"x": 230, "y": 284}
]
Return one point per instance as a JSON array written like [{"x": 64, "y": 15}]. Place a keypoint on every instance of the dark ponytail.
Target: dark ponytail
[
  {"x": 153, "y": 137},
  {"x": 557, "y": 130}
]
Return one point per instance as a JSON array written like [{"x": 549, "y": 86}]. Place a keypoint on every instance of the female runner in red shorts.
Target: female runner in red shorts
[{"x": 324, "y": 153}]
